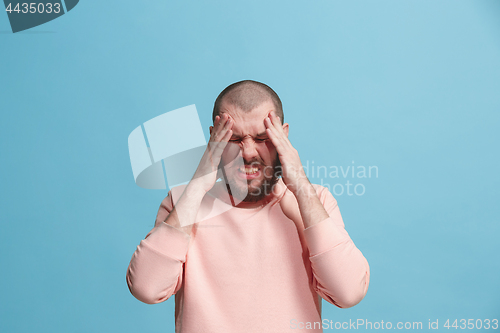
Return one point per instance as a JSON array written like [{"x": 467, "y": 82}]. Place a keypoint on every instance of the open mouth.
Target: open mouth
[{"x": 248, "y": 172}]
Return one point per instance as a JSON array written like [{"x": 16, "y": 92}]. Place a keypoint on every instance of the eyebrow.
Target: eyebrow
[{"x": 258, "y": 135}]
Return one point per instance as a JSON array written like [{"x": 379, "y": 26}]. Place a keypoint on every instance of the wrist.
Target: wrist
[
  {"x": 196, "y": 188},
  {"x": 303, "y": 188}
]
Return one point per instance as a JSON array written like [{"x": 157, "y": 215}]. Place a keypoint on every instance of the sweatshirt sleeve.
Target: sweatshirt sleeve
[
  {"x": 156, "y": 268},
  {"x": 340, "y": 271}
]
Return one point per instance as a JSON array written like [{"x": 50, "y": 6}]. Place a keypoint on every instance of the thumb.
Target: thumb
[{"x": 290, "y": 208}]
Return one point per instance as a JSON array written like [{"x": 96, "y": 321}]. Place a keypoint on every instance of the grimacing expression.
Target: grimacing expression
[{"x": 252, "y": 176}]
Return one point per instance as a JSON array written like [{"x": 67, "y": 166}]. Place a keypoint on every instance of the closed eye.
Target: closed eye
[{"x": 234, "y": 140}]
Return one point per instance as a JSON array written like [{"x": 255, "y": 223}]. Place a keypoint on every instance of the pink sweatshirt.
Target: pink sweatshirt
[{"x": 249, "y": 270}]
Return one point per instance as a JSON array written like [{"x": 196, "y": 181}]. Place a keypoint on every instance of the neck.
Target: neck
[
  {"x": 222, "y": 192},
  {"x": 251, "y": 204},
  {"x": 276, "y": 190}
]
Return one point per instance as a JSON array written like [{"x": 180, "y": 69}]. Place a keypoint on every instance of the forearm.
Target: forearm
[
  {"x": 341, "y": 272},
  {"x": 183, "y": 216},
  {"x": 155, "y": 270},
  {"x": 311, "y": 209}
]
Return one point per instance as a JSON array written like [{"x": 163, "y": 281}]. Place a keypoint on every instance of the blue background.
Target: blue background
[{"x": 411, "y": 87}]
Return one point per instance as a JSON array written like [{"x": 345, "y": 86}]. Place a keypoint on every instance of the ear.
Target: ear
[
  {"x": 211, "y": 129},
  {"x": 285, "y": 129}
]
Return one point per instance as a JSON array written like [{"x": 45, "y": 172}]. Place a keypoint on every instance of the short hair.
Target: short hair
[{"x": 247, "y": 95}]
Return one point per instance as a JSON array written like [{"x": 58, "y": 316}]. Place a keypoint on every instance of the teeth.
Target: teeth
[{"x": 249, "y": 171}]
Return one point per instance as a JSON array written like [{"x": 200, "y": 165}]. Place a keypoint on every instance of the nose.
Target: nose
[{"x": 248, "y": 149}]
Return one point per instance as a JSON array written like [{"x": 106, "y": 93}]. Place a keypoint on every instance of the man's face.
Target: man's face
[{"x": 251, "y": 160}]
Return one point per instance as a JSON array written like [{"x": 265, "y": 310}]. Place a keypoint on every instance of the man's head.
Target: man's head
[
  {"x": 247, "y": 95},
  {"x": 252, "y": 176}
]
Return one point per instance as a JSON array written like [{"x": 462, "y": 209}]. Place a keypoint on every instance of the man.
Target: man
[{"x": 254, "y": 252}]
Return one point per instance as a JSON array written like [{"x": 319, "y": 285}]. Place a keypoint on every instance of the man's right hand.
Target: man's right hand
[
  {"x": 183, "y": 216},
  {"x": 206, "y": 173}
]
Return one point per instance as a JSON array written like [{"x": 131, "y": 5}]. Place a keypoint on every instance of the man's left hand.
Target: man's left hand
[{"x": 293, "y": 173}]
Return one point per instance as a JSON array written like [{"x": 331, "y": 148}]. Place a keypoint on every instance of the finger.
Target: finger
[
  {"x": 229, "y": 121},
  {"x": 221, "y": 135},
  {"x": 218, "y": 126},
  {"x": 275, "y": 119},
  {"x": 219, "y": 146},
  {"x": 278, "y": 138},
  {"x": 223, "y": 120},
  {"x": 272, "y": 127},
  {"x": 267, "y": 121},
  {"x": 228, "y": 135},
  {"x": 213, "y": 129},
  {"x": 276, "y": 122},
  {"x": 216, "y": 121},
  {"x": 275, "y": 140}
]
